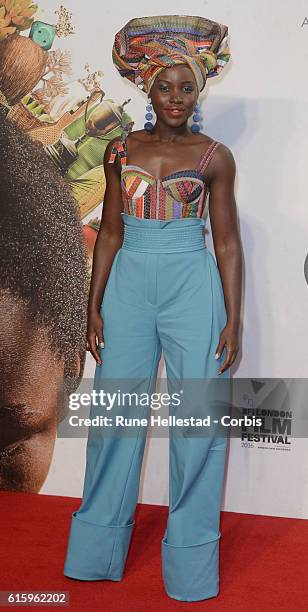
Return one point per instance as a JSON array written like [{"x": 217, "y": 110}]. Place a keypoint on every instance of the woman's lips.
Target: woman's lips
[{"x": 175, "y": 112}]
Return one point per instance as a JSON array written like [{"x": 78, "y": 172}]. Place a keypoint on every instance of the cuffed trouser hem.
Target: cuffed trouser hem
[
  {"x": 72, "y": 572},
  {"x": 190, "y": 573},
  {"x": 97, "y": 552}
]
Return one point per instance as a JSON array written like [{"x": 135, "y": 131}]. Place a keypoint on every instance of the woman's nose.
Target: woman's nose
[{"x": 176, "y": 97}]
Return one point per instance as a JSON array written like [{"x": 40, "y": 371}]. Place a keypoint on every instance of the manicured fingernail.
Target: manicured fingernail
[
  {"x": 216, "y": 355},
  {"x": 102, "y": 344}
]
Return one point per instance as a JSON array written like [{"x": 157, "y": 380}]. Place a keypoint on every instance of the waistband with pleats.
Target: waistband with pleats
[{"x": 156, "y": 236}]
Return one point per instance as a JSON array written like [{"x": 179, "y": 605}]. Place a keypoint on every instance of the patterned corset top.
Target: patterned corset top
[{"x": 179, "y": 195}]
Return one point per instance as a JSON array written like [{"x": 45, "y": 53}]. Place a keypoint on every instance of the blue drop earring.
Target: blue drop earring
[
  {"x": 148, "y": 126},
  {"x": 195, "y": 127}
]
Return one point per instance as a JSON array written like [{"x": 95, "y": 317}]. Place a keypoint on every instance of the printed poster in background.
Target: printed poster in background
[{"x": 74, "y": 120}]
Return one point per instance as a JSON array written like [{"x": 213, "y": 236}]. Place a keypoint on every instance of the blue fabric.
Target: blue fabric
[
  {"x": 154, "y": 303},
  {"x": 176, "y": 240}
]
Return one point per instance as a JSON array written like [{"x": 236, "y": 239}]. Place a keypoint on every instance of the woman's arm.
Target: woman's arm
[
  {"x": 227, "y": 245},
  {"x": 108, "y": 242}
]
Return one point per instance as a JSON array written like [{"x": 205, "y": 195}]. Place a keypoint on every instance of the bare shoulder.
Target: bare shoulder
[
  {"x": 222, "y": 150},
  {"x": 223, "y": 162},
  {"x": 224, "y": 155},
  {"x": 138, "y": 136},
  {"x": 136, "y": 133}
]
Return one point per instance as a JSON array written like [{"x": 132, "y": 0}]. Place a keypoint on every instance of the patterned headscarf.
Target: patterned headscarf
[{"x": 147, "y": 45}]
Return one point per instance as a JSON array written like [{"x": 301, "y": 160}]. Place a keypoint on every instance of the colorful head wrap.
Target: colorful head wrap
[{"x": 145, "y": 46}]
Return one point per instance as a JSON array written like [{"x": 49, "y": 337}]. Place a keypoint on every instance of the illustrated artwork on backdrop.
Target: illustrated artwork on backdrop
[
  {"x": 70, "y": 115},
  {"x": 54, "y": 129}
]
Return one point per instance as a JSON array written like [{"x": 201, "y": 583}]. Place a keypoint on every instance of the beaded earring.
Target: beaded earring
[
  {"x": 195, "y": 127},
  {"x": 148, "y": 126}
]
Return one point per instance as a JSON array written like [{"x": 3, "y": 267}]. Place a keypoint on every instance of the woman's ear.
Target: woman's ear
[{"x": 71, "y": 383}]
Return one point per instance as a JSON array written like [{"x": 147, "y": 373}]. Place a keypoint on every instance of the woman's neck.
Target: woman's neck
[{"x": 166, "y": 133}]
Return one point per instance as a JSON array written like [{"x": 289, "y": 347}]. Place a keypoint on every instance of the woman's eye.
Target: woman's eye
[{"x": 187, "y": 88}]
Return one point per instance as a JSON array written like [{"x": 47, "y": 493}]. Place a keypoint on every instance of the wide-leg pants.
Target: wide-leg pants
[{"x": 163, "y": 296}]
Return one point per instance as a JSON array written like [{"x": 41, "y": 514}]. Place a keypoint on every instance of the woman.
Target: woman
[{"x": 158, "y": 290}]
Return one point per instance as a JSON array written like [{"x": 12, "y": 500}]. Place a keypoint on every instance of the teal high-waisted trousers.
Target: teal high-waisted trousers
[{"x": 164, "y": 295}]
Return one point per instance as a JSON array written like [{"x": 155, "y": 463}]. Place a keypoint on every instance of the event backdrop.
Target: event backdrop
[{"x": 74, "y": 102}]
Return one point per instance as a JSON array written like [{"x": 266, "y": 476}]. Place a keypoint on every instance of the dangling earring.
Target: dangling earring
[
  {"x": 195, "y": 127},
  {"x": 148, "y": 126}
]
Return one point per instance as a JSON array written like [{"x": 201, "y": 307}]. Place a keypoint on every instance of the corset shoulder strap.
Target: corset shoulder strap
[
  {"x": 118, "y": 148},
  {"x": 206, "y": 158}
]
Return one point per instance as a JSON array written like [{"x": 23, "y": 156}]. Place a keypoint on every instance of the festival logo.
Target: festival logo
[{"x": 267, "y": 403}]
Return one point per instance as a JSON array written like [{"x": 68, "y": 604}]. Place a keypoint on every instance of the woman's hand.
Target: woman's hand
[
  {"x": 95, "y": 330},
  {"x": 228, "y": 339}
]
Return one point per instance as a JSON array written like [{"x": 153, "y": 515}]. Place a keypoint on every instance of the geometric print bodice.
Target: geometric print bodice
[{"x": 179, "y": 195}]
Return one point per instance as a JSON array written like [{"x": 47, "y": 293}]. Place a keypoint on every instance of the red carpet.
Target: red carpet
[{"x": 263, "y": 560}]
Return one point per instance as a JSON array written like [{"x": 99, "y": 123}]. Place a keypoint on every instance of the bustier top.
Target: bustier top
[{"x": 179, "y": 195}]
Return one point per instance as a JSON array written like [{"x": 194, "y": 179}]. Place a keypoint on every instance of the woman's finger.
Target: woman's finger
[
  {"x": 227, "y": 362},
  {"x": 100, "y": 339},
  {"x": 219, "y": 349},
  {"x": 93, "y": 348}
]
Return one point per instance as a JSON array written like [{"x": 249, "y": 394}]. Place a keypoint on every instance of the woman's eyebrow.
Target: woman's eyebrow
[{"x": 166, "y": 81}]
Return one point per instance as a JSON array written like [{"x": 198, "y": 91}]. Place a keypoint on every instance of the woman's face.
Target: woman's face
[
  {"x": 30, "y": 384},
  {"x": 174, "y": 94}
]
